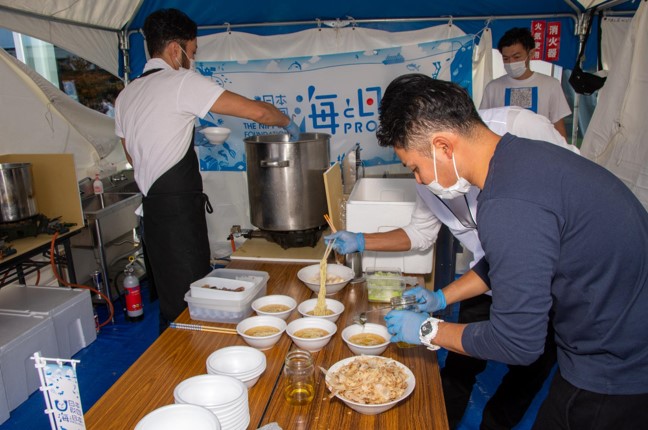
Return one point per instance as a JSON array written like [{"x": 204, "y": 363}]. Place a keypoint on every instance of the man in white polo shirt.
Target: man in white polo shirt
[{"x": 154, "y": 117}]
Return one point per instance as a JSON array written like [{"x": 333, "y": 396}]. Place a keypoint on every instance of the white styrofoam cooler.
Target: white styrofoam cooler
[
  {"x": 70, "y": 310},
  {"x": 382, "y": 204},
  {"x": 20, "y": 337},
  {"x": 4, "y": 406}
]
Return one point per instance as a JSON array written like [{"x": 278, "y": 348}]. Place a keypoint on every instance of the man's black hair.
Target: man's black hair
[
  {"x": 521, "y": 35},
  {"x": 168, "y": 25},
  {"x": 416, "y": 105}
]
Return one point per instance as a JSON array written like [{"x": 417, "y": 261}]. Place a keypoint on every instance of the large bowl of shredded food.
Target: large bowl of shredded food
[{"x": 370, "y": 384}]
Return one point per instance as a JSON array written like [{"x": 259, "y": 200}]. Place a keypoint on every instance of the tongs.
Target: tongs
[{"x": 395, "y": 302}]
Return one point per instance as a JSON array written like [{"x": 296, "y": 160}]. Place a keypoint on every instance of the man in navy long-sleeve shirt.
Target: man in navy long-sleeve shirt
[{"x": 562, "y": 236}]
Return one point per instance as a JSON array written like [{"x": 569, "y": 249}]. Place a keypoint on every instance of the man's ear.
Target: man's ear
[
  {"x": 445, "y": 142},
  {"x": 530, "y": 55}
]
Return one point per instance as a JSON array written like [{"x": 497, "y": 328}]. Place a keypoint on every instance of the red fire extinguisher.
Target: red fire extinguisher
[{"x": 134, "y": 308}]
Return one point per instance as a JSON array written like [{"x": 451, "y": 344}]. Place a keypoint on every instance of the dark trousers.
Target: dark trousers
[
  {"x": 569, "y": 407},
  {"x": 518, "y": 388}
]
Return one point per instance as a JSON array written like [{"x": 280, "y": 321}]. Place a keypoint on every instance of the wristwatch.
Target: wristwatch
[{"x": 428, "y": 332}]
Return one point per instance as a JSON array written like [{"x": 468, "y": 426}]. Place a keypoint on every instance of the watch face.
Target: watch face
[{"x": 426, "y": 328}]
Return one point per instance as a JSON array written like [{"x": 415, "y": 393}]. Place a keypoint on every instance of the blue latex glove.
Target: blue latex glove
[
  {"x": 429, "y": 301},
  {"x": 404, "y": 325},
  {"x": 346, "y": 242},
  {"x": 293, "y": 130}
]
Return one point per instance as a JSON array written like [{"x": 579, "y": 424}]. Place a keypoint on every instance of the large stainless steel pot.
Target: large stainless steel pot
[
  {"x": 16, "y": 192},
  {"x": 285, "y": 182}
]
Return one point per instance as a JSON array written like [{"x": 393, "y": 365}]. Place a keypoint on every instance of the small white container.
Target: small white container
[
  {"x": 275, "y": 299},
  {"x": 225, "y": 307},
  {"x": 313, "y": 344},
  {"x": 377, "y": 329},
  {"x": 334, "y": 305},
  {"x": 310, "y": 276},
  {"x": 261, "y": 342},
  {"x": 174, "y": 417}
]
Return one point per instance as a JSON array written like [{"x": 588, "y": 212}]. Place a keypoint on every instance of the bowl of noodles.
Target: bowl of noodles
[
  {"x": 311, "y": 334},
  {"x": 261, "y": 332},
  {"x": 333, "y": 310},
  {"x": 366, "y": 339},
  {"x": 337, "y": 277},
  {"x": 370, "y": 385}
]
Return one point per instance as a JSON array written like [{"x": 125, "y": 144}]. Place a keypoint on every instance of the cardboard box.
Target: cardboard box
[
  {"x": 70, "y": 310},
  {"x": 380, "y": 205}
]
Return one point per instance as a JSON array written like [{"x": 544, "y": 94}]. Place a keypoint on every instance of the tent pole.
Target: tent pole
[{"x": 124, "y": 46}]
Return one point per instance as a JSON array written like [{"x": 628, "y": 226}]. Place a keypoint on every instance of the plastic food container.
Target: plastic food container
[
  {"x": 226, "y": 306},
  {"x": 384, "y": 283}
]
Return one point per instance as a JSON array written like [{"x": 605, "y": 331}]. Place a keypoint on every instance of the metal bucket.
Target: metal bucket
[
  {"x": 285, "y": 182},
  {"x": 16, "y": 192}
]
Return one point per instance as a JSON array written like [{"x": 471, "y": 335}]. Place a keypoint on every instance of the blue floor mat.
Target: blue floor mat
[{"x": 117, "y": 346}]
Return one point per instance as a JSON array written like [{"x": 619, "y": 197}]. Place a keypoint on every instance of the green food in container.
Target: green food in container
[{"x": 383, "y": 284}]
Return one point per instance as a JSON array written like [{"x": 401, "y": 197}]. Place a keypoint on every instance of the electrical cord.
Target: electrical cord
[{"x": 68, "y": 284}]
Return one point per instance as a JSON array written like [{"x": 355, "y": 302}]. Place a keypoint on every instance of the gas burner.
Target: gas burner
[
  {"x": 285, "y": 239},
  {"x": 32, "y": 227}
]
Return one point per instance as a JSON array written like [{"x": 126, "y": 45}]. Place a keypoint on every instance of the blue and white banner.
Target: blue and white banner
[
  {"x": 338, "y": 94},
  {"x": 61, "y": 391}
]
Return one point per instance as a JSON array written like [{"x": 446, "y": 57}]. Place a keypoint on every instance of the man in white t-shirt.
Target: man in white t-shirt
[
  {"x": 521, "y": 87},
  {"x": 508, "y": 405},
  {"x": 154, "y": 117}
]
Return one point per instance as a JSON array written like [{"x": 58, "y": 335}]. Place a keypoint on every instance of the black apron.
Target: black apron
[{"x": 175, "y": 233}]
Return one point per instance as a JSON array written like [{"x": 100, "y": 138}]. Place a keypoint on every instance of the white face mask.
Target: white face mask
[
  {"x": 515, "y": 69},
  {"x": 459, "y": 188},
  {"x": 192, "y": 63}
]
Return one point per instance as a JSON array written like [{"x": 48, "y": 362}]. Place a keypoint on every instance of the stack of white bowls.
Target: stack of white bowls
[
  {"x": 241, "y": 362},
  {"x": 225, "y": 396}
]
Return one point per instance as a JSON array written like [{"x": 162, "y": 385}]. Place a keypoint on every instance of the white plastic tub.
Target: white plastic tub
[
  {"x": 384, "y": 204},
  {"x": 226, "y": 306}
]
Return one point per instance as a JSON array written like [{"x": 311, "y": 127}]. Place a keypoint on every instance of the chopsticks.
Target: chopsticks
[
  {"x": 329, "y": 248},
  {"x": 330, "y": 223},
  {"x": 207, "y": 328}
]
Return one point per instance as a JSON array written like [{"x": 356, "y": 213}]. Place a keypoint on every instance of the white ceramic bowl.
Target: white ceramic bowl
[
  {"x": 274, "y": 300},
  {"x": 219, "y": 392},
  {"x": 335, "y": 306},
  {"x": 261, "y": 342},
  {"x": 377, "y": 408},
  {"x": 241, "y": 362},
  {"x": 309, "y": 275},
  {"x": 173, "y": 417},
  {"x": 216, "y": 135},
  {"x": 378, "y": 329},
  {"x": 314, "y": 344}
]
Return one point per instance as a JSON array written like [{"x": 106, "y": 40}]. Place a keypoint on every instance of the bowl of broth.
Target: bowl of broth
[
  {"x": 367, "y": 339},
  {"x": 311, "y": 334},
  {"x": 334, "y": 309},
  {"x": 275, "y": 305},
  {"x": 261, "y": 332}
]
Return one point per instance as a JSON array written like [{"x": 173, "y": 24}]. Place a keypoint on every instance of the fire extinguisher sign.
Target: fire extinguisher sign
[
  {"x": 538, "y": 31},
  {"x": 552, "y": 48},
  {"x": 547, "y": 40}
]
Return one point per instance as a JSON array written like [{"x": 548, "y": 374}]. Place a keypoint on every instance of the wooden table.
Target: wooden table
[{"x": 179, "y": 354}]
